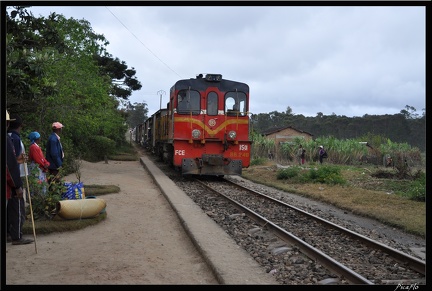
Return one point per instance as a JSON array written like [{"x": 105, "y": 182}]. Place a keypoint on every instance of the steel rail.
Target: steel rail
[
  {"x": 406, "y": 259},
  {"x": 306, "y": 248}
]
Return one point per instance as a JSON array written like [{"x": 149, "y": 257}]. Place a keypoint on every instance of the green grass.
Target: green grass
[
  {"x": 45, "y": 226},
  {"x": 94, "y": 190},
  {"x": 123, "y": 157}
]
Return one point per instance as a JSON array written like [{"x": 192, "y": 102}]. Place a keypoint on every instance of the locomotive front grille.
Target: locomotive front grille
[
  {"x": 213, "y": 160},
  {"x": 211, "y": 165}
]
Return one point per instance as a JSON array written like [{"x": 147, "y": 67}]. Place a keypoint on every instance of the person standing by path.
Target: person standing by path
[
  {"x": 15, "y": 206},
  {"x": 14, "y": 131},
  {"x": 303, "y": 156},
  {"x": 321, "y": 154},
  {"x": 37, "y": 158},
  {"x": 54, "y": 153}
]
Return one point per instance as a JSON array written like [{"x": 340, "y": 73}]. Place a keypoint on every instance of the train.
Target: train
[{"x": 204, "y": 128}]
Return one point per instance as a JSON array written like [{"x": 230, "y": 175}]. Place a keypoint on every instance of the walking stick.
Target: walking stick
[{"x": 29, "y": 196}]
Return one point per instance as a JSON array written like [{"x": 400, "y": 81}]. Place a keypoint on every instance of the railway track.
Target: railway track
[
  {"x": 352, "y": 256},
  {"x": 298, "y": 247}
]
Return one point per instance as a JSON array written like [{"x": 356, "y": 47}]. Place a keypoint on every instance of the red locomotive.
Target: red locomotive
[{"x": 205, "y": 128}]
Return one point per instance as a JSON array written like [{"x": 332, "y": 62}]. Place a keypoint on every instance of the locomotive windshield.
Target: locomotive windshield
[
  {"x": 235, "y": 103},
  {"x": 212, "y": 103},
  {"x": 188, "y": 101}
]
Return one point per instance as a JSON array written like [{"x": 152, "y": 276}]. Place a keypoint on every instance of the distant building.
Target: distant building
[{"x": 286, "y": 134}]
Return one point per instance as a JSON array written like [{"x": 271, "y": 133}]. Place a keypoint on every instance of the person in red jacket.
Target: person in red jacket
[
  {"x": 15, "y": 206},
  {"x": 37, "y": 158}
]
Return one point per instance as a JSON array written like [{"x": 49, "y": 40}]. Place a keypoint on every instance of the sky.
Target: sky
[{"x": 343, "y": 60}]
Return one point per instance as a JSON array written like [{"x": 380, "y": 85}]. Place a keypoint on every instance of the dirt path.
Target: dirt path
[{"x": 140, "y": 242}]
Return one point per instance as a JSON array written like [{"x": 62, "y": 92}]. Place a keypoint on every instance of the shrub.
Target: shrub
[
  {"x": 44, "y": 202},
  {"x": 327, "y": 175},
  {"x": 417, "y": 189},
  {"x": 99, "y": 147},
  {"x": 291, "y": 172},
  {"x": 258, "y": 161}
]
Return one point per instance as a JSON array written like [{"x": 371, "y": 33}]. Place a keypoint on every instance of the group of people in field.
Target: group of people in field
[{"x": 301, "y": 154}]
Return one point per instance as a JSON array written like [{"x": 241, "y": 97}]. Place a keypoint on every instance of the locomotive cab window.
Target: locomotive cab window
[
  {"x": 188, "y": 101},
  {"x": 235, "y": 103},
  {"x": 212, "y": 104}
]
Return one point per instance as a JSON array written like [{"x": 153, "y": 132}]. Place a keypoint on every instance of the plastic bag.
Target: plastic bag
[{"x": 73, "y": 191}]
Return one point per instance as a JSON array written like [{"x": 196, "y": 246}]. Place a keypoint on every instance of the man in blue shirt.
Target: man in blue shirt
[{"x": 54, "y": 153}]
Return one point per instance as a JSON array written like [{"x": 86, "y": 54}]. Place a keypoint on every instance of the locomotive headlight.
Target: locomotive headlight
[
  {"x": 196, "y": 133},
  {"x": 232, "y": 134}
]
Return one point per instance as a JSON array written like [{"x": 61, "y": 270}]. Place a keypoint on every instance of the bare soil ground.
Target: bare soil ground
[{"x": 140, "y": 242}]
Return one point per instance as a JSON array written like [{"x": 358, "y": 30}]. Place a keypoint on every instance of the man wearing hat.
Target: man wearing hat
[
  {"x": 54, "y": 152},
  {"x": 14, "y": 131},
  {"x": 321, "y": 154},
  {"x": 14, "y": 194}
]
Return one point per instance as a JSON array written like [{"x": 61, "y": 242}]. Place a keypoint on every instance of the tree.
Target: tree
[
  {"x": 409, "y": 112},
  {"x": 123, "y": 79},
  {"x": 260, "y": 122},
  {"x": 53, "y": 75},
  {"x": 289, "y": 111},
  {"x": 137, "y": 114},
  {"x": 29, "y": 43},
  {"x": 277, "y": 118}
]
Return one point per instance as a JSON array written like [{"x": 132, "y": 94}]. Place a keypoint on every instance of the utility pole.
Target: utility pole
[{"x": 160, "y": 92}]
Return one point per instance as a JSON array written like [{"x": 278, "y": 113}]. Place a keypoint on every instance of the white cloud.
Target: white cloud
[{"x": 348, "y": 60}]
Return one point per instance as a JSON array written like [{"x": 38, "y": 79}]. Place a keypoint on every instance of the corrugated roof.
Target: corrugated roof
[{"x": 278, "y": 129}]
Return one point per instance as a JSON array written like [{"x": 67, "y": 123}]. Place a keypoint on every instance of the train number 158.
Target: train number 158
[{"x": 243, "y": 147}]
